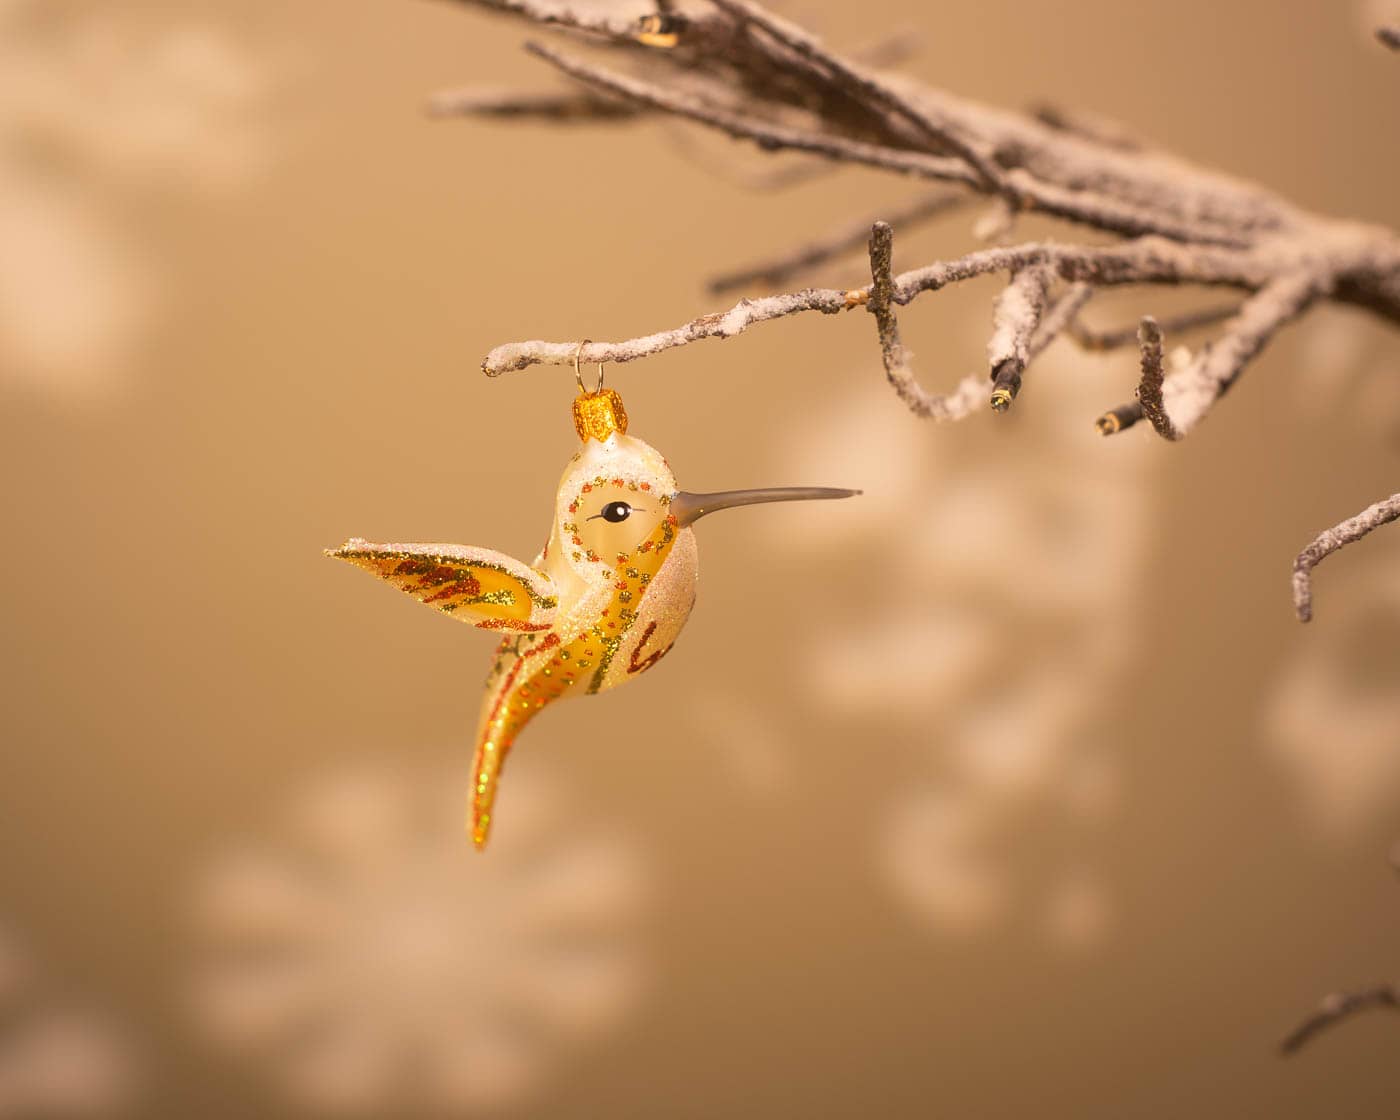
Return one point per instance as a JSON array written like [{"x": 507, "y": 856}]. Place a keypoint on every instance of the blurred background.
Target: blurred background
[{"x": 1021, "y": 791}]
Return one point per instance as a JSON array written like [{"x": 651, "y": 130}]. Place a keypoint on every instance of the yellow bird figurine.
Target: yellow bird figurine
[{"x": 602, "y": 603}]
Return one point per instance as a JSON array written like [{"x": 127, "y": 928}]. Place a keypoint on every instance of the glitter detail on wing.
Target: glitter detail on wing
[{"x": 477, "y": 585}]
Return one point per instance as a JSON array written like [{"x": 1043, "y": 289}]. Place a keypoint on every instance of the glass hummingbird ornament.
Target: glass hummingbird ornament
[{"x": 603, "y": 602}]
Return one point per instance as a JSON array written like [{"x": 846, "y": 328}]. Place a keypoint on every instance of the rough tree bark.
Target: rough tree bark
[{"x": 733, "y": 66}]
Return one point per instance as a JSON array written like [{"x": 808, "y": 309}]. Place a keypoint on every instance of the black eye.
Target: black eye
[{"x": 616, "y": 511}]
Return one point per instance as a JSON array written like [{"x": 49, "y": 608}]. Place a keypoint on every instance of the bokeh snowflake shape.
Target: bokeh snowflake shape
[{"x": 365, "y": 957}]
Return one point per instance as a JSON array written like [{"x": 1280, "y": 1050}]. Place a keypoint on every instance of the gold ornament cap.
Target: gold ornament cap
[{"x": 598, "y": 415}]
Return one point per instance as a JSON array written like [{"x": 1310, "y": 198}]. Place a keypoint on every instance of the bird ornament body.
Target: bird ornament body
[{"x": 602, "y": 603}]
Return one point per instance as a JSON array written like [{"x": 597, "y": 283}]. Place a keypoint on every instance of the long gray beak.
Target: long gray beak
[{"x": 688, "y": 508}]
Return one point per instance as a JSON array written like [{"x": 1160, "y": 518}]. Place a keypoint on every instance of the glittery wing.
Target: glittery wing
[{"x": 487, "y": 589}]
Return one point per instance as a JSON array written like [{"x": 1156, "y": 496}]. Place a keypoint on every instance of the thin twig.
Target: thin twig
[
  {"x": 1338, "y": 1007},
  {"x": 1061, "y": 315},
  {"x": 869, "y": 88},
  {"x": 1149, "y": 392},
  {"x": 890, "y": 49},
  {"x": 1087, "y": 126},
  {"x": 997, "y": 222},
  {"x": 553, "y": 107},
  {"x": 726, "y": 324},
  {"x": 1214, "y": 370},
  {"x": 881, "y": 306},
  {"x": 765, "y": 134},
  {"x": 753, "y": 176},
  {"x": 783, "y": 268},
  {"x": 1191, "y": 393},
  {"x": 1339, "y": 536},
  {"x": 1089, "y": 338},
  {"x": 1119, "y": 419},
  {"x": 1075, "y": 204},
  {"x": 1015, "y": 319},
  {"x": 1148, "y": 260},
  {"x": 880, "y": 303},
  {"x": 1124, "y": 416}
]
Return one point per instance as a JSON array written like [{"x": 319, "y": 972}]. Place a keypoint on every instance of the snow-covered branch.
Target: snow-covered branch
[{"x": 733, "y": 67}]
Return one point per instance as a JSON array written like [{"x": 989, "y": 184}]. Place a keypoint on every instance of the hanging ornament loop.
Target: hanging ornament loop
[
  {"x": 579, "y": 376},
  {"x": 598, "y": 412}
]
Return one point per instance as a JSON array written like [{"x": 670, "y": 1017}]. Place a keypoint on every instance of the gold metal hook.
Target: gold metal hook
[{"x": 579, "y": 376}]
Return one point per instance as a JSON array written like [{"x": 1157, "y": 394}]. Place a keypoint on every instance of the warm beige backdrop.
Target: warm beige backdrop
[{"x": 1014, "y": 791}]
